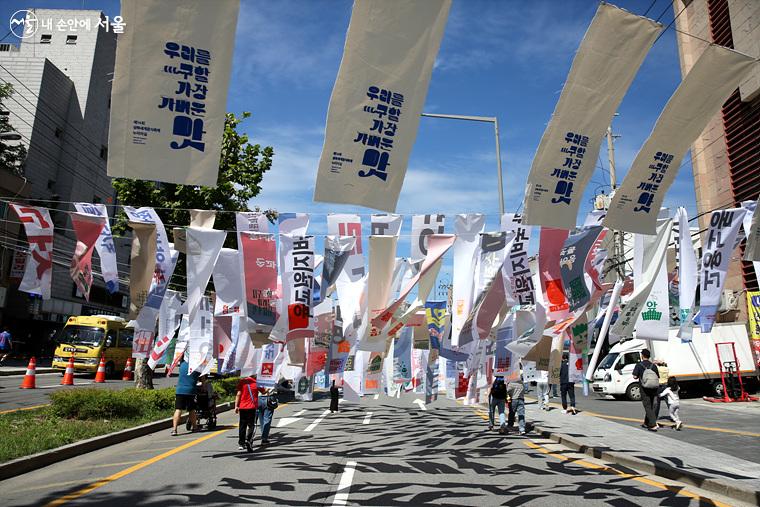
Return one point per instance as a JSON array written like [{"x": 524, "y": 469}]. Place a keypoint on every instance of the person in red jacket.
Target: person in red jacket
[{"x": 246, "y": 404}]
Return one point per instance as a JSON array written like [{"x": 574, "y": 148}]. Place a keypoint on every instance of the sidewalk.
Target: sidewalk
[
  {"x": 650, "y": 452},
  {"x": 13, "y": 366}
]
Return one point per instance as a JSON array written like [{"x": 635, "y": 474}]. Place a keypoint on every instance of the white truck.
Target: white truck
[{"x": 691, "y": 363}]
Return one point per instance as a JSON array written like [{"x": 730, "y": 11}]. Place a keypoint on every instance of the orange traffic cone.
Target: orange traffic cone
[
  {"x": 68, "y": 376},
  {"x": 100, "y": 376},
  {"x": 128, "y": 375},
  {"x": 31, "y": 375}
]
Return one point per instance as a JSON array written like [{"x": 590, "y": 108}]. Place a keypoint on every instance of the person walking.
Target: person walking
[
  {"x": 185, "y": 396},
  {"x": 663, "y": 373},
  {"x": 565, "y": 386},
  {"x": 497, "y": 397},
  {"x": 267, "y": 404},
  {"x": 649, "y": 379},
  {"x": 333, "y": 397},
  {"x": 246, "y": 405},
  {"x": 670, "y": 393},
  {"x": 6, "y": 345},
  {"x": 542, "y": 389},
  {"x": 516, "y": 399}
]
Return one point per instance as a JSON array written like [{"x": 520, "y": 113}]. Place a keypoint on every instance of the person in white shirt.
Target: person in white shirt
[
  {"x": 670, "y": 393},
  {"x": 542, "y": 389}
]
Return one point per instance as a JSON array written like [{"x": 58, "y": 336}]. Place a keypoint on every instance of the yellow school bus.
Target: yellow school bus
[{"x": 87, "y": 338}]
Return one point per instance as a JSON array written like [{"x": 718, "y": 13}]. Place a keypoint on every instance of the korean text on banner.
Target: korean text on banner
[
  {"x": 705, "y": 88},
  {"x": 169, "y": 92},
  {"x": 105, "y": 246},
  {"x": 251, "y": 221},
  {"x": 467, "y": 229},
  {"x": 337, "y": 251},
  {"x": 603, "y": 68},
  {"x": 260, "y": 268},
  {"x": 654, "y": 321},
  {"x": 38, "y": 274},
  {"x": 382, "y": 251},
  {"x": 87, "y": 229},
  {"x": 376, "y": 103},
  {"x": 385, "y": 224},
  {"x": 549, "y": 271},
  {"x": 753, "y": 315},
  {"x": 572, "y": 261},
  {"x": 653, "y": 258},
  {"x": 516, "y": 270},
  {"x": 422, "y": 227},
  {"x": 721, "y": 241},
  {"x": 688, "y": 276},
  {"x": 298, "y": 276},
  {"x": 168, "y": 322}
]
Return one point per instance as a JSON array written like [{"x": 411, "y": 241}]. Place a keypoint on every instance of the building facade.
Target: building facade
[{"x": 61, "y": 77}]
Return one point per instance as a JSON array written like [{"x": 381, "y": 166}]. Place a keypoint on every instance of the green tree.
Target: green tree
[
  {"x": 241, "y": 168},
  {"x": 12, "y": 153}
]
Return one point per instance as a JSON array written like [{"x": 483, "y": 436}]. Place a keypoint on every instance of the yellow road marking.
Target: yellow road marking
[
  {"x": 102, "y": 482},
  {"x": 689, "y": 426},
  {"x": 54, "y": 485},
  {"x": 24, "y": 408},
  {"x": 148, "y": 450},
  {"x": 610, "y": 470},
  {"x": 101, "y": 465}
]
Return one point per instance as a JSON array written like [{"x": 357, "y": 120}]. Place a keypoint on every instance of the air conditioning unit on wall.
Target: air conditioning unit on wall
[{"x": 729, "y": 301}]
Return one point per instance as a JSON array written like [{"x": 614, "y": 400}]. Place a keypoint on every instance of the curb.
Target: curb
[
  {"x": 26, "y": 464},
  {"x": 22, "y": 372},
  {"x": 658, "y": 468}
]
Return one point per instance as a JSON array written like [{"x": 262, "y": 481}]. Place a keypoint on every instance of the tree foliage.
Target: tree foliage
[{"x": 12, "y": 153}]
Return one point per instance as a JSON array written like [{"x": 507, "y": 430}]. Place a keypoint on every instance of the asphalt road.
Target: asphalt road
[
  {"x": 11, "y": 397},
  {"x": 384, "y": 452},
  {"x": 731, "y": 428}
]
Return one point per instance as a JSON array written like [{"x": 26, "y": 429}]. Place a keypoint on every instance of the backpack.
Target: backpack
[
  {"x": 649, "y": 379},
  {"x": 499, "y": 391}
]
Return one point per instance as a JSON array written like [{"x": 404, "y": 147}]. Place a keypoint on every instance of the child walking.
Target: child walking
[{"x": 670, "y": 393}]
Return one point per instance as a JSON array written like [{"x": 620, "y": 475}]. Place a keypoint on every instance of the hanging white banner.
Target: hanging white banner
[
  {"x": 716, "y": 256},
  {"x": 228, "y": 283},
  {"x": 377, "y": 100},
  {"x": 293, "y": 223},
  {"x": 382, "y": 251},
  {"x": 169, "y": 320},
  {"x": 337, "y": 251},
  {"x": 38, "y": 273},
  {"x": 752, "y": 249},
  {"x": 203, "y": 248},
  {"x": 603, "y": 68},
  {"x": 180, "y": 348},
  {"x": 700, "y": 95},
  {"x": 747, "y": 225},
  {"x": 341, "y": 224},
  {"x": 105, "y": 246},
  {"x": 87, "y": 229},
  {"x": 251, "y": 221},
  {"x": 653, "y": 322},
  {"x": 386, "y": 224},
  {"x": 467, "y": 229},
  {"x": 422, "y": 227},
  {"x": 298, "y": 278},
  {"x": 169, "y": 96},
  {"x": 688, "y": 277},
  {"x": 653, "y": 258},
  {"x": 201, "y": 336},
  {"x": 518, "y": 281}
]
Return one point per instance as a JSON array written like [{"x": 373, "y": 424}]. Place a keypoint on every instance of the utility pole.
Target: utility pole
[{"x": 618, "y": 244}]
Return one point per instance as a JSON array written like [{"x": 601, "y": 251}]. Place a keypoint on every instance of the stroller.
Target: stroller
[{"x": 205, "y": 410}]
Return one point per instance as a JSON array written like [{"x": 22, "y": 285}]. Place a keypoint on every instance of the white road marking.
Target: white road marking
[
  {"x": 420, "y": 403},
  {"x": 341, "y": 495},
  {"x": 376, "y": 396},
  {"x": 299, "y": 413},
  {"x": 367, "y": 418},
  {"x": 59, "y": 385},
  {"x": 317, "y": 421},
  {"x": 284, "y": 421}
]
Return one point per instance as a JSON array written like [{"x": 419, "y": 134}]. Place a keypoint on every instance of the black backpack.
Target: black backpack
[{"x": 499, "y": 390}]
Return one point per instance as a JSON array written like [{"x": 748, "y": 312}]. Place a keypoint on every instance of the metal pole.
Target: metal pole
[
  {"x": 483, "y": 119},
  {"x": 616, "y": 290},
  {"x": 619, "y": 243}
]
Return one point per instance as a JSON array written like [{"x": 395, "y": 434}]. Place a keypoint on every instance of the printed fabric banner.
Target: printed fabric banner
[
  {"x": 260, "y": 268},
  {"x": 201, "y": 337},
  {"x": 467, "y": 229},
  {"x": 382, "y": 252},
  {"x": 169, "y": 320},
  {"x": 105, "y": 246},
  {"x": 505, "y": 363},
  {"x": 169, "y": 95},
  {"x": 492, "y": 254},
  {"x": 422, "y": 227},
  {"x": 715, "y": 76},
  {"x": 688, "y": 276},
  {"x": 490, "y": 302},
  {"x": 385, "y": 224},
  {"x": 516, "y": 270},
  {"x": 654, "y": 321},
  {"x": 652, "y": 259},
  {"x": 142, "y": 264},
  {"x": 337, "y": 251},
  {"x": 373, "y": 373},
  {"x": 578, "y": 344},
  {"x": 228, "y": 284},
  {"x": 377, "y": 100},
  {"x": 572, "y": 261},
  {"x": 753, "y": 316},
  {"x": 717, "y": 250},
  {"x": 298, "y": 278},
  {"x": 203, "y": 249},
  {"x": 402, "y": 356},
  {"x": 341, "y": 224},
  {"x": 752, "y": 249},
  {"x": 549, "y": 271},
  {"x": 38, "y": 273},
  {"x": 293, "y": 223},
  {"x": 272, "y": 358},
  {"x": 251, "y": 221},
  {"x": 87, "y": 229},
  {"x": 435, "y": 316},
  {"x": 747, "y": 221},
  {"x": 603, "y": 68}
]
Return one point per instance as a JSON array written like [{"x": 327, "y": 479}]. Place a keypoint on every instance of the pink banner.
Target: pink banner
[
  {"x": 87, "y": 229},
  {"x": 551, "y": 243},
  {"x": 260, "y": 266},
  {"x": 38, "y": 273}
]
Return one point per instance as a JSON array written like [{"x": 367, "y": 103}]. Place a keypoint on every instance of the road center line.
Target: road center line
[
  {"x": 341, "y": 495},
  {"x": 317, "y": 421},
  {"x": 367, "y": 418}
]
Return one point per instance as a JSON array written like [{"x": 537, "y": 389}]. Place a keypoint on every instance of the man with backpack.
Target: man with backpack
[
  {"x": 649, "y": 378},
  {"x": 496, "y": 400},
  {"x": 5, "y": 344}
]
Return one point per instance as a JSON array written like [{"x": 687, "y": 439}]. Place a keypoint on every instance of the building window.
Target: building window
[
  {"x": 71, "y": 39},
  {"x": 45, "y": 38},
  {"x": 103, "y": 152}
]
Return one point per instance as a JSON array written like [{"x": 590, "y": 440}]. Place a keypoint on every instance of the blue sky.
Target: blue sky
[{"x": 506, "y": 58}]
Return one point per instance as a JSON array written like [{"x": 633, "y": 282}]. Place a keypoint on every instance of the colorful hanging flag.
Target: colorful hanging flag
[
  {"x": 382, "y": 252},
  {"x": 467, "y": 229},
  {"x": 104, "y": 246},
  {"x": 385, "y": 224},
  {"x": 688, "y": 276},
  {"x": 229, "y": 284},
  {"x": 297, "y": 282},
  {"x": 203, "y": 249},
  {"x": 260, "y": 268},
  {"x": 38, "y": 273},
  {"x": 293, "y": 223},
  {"x": 422, "y": 227},
  {"x": 518, "y": 281},
  {"x": 87, "y": 229},
  {"x": 572, "y": 261},
  {"x": 550, "y": 274}
]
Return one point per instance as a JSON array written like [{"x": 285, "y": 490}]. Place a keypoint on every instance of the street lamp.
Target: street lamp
[{"x": 483, "y": 119}]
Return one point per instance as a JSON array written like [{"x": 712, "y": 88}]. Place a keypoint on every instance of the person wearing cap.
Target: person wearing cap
[{"x": 565, "y": 386}]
